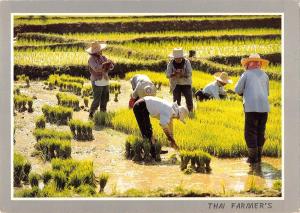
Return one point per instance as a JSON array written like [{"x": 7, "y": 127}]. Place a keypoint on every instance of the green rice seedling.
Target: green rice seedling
[
  {"x": 137, "y": 147},
  {"x": 103, "y": 178},
  {"x": 53, "y": 148},
  {"x": 20, "y": 102},
  {"x": 68, "y": 100},
  {"x": 251, "y": 186},
  {"x": 29, "y": 193},
  {"x": 65, "y": 165},
  {"x": 277, "y": 185},
  {"x": 86, "y": 101},
  {"x": 40, "y": 122},
  {"x": 200, "y": 160},
  {"x": 146, "y": 151},
  {"x": 60, "y": 180},
  {"x": 30, "y": 103},
  {"x": 103, "y": 118},
  {"x": 83, "y": 174},
  {"x": 87, "y": 90},
  {"x": 26, "y": 169},
  {"x": 82, "y": 130},
  {"x": 86, "y": 190},
  {"x": 17, "y": 91},
  {"x": 34, "y": 179},
  {"x": 46, "y": 177},
  {"x": 24, "y": 78},
  {"x": 21, "y": 169},
  {"x": 116, "y": 97},
  {"x": 52, "y": 133},
  {"x": 57, "y": 114}
]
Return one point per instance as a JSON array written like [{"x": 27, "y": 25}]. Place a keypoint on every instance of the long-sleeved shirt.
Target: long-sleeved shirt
[
  {"x": 254, "y": 86},
  {"x": 96, "y": 69},
  {"x": 214, "y": 90},
  {"x": 185, "y": 79}
]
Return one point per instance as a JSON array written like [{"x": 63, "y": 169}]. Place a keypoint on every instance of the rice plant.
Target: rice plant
[
  {"x": 22, "y": 168},
  {"x": 41, "y": 133},
  {"x": 34, "y": 179},
  {"x": 57, "y": 114},
  {"x": 23, "y": 103},
  {"x": 200, "y": 160},
  {"x": 68, "y": 100},
  {"x": 103, "y": 178},
  {"x": 40, "y": 122},
  {"x": 82, "y": 130}
]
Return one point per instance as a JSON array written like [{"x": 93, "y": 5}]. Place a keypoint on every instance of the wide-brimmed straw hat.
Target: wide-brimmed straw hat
[
  {"x": 182, "y": 111},
  {"x": 96, "y": 47},
  {"x": 177, "y": 53},
  {"x": 223, "y": 77},
  {"x": 254, "y": 57},
  {"x": 150, "y": 91}
]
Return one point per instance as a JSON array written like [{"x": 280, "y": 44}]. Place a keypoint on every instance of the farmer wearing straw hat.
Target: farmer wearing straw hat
[
  {"x": 179, "y": 71},
  {"x": 142, "y": 86},
  {"x": 161, "y": 109},
  {"x": 214, "y": 90},
  {"x": 99, "y": 66},
  {"x": 253, "y": 85}
]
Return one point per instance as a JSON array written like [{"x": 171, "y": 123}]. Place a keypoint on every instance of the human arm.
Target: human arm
[
  {"x": 168, "y": 130},
  {"x": 169, "y": 71},
  {"x": 240, "y": 86}
]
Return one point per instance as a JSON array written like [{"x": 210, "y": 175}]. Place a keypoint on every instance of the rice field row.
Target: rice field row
[
  {"x": 115, "y": 36},
  {"x": 202, "y": 131},
  {"x": 43, "y": 20}
]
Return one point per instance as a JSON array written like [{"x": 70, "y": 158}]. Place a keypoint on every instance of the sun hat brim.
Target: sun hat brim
[
  {"x": 264, "y": 62},
  {"x": 172, "y": 56},
  {"x": 228, "y": 81},
  {"x": 91, "y": 51}
]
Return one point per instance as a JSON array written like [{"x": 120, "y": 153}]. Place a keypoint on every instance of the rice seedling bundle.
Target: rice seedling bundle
[
  {"x": 41, "y": 133},
  {"x": 68, "y": 100},
  {"x": 82, "y": 130},
  {"x": 53, "y": 148},
  {"x": 87, "y": 91},
  {"x": 103, "y": 178},
  {"x": 22, "y": 168},
  {"x": 76, "y": 172},
  {"x": 21, "y": 101},
  {"x": 139, "y": 149},
  {"x": 200, "y": 160},
  {"x": 114, "y": 86},
  {"x": 40, "y": 122},
  {"x": 59, "y": 115},
  {"x": 24, "y": 78},
  {"x": 103, "y": 118},
  {"x": 34, "y": 179}
]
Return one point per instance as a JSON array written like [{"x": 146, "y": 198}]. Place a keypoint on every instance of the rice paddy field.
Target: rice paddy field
[{"x": 57, "y": 158}]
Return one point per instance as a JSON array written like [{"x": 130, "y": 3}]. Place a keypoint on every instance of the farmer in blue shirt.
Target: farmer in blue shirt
[{"x": 253, "y": 85}]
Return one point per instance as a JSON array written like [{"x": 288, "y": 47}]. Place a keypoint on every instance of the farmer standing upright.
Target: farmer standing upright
[
  {"x": 142, "y": 86},
  {"x": 253, "y": 85},
  {"x": 179, "y": 71},
  {"x": 99, "y": 66}
]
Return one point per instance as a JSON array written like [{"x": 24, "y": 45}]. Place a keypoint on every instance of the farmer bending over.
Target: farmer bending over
[
  {"x": 254, "y": 87},
  {"x": 179, "y": 71},
  {"x": 214, "y": 90},
  {"x": 142, "y": 86},
  {"x": 161, "y": 109},
  {"x": 99, "y": 66}
]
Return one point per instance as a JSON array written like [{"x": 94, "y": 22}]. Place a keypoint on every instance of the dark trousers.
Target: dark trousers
[
  {"x": 186, "y": 90},
  {"x": 100, "y": 98},
  {"x": 143, "y": 119},
  {"x": 255, "y": 126},
  {"x": 201, "y": 96}
]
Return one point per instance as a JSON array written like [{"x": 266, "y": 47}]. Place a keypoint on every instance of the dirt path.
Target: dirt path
[{"x": 107, "y": 149}]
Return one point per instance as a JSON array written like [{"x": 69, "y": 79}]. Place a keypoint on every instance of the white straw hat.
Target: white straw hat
[
  {"x": 177, "y": 53},
  {"x": 150, "y": 91},
  {"x": 254, "y": 57},
  {"x": 96, "y": 47},
  {"x": 223, "y": 77}
]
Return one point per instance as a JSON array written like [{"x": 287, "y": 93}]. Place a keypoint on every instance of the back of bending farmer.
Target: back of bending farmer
[
  {"x": 161, "y": 109},
  {"x": 142, "y": 86},
  {"x": 253, "y": 85},
  {"x": 215, "y": 89},
  {"x": 99, "y": 66},
  {"x": 179, "y": 71}
]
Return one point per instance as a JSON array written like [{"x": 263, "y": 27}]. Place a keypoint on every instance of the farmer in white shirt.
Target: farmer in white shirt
[
  {"x": 253, "y": 85},
  {"x": 142, "y": 86},
  {"x": 161, "y": 109},
  {"x": 215, "y": 90},
  {"x": 99, "y": 66}
]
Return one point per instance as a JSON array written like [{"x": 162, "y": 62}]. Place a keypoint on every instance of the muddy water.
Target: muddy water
[{"x": 107, "y": 150}]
